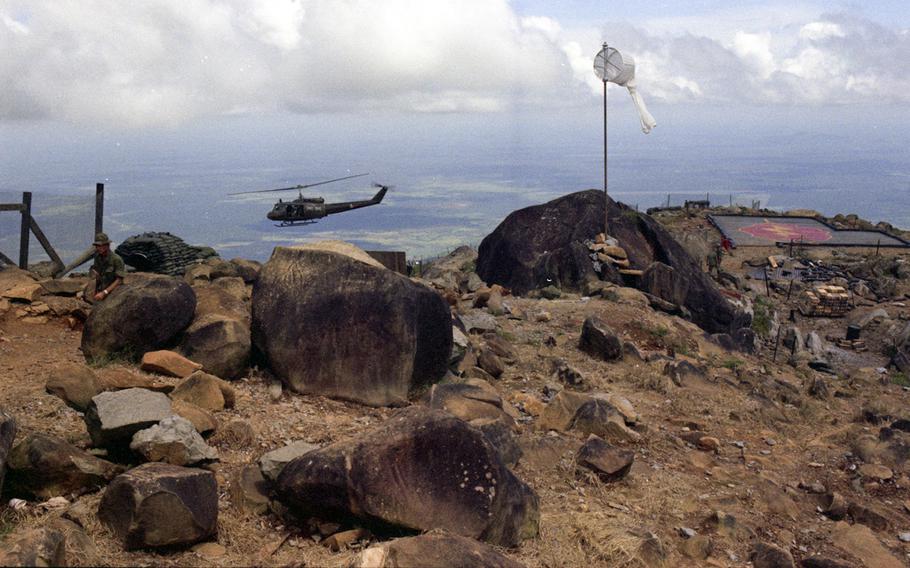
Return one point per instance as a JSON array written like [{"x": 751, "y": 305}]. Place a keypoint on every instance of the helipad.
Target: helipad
[{"x": 764, "y": 231}]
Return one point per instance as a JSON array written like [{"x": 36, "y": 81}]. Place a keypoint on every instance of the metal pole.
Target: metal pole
[
  {"x": 24, "y": 229},
  {"x": 99, "y": 208},
  {"x": 606, "y": 197}
]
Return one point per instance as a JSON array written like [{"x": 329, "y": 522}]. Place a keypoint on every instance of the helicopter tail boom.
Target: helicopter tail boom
[{"x": 331, "y": 208}]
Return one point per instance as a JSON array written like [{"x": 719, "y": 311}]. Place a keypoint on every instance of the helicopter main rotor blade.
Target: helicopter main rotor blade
[{"x": 300, "y": 186}]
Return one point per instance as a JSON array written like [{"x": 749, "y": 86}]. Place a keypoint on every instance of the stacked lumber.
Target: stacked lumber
[{"x": 825, "y": 301}]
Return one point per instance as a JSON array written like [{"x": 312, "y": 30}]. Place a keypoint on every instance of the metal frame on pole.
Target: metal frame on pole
[{"x": 606, "y": 195}]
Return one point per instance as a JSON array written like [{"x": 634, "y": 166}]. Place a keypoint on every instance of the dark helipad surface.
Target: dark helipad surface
[{"x": 764, "y": 231}]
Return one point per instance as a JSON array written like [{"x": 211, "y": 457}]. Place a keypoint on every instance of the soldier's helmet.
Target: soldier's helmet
[{"x": 102, "y": 239}]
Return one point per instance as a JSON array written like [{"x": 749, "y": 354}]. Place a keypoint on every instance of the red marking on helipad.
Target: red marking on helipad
[{"x": 777, "y": 232}]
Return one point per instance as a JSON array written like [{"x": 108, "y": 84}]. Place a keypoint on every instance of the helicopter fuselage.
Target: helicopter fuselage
[{"x": 308, "y": 209}]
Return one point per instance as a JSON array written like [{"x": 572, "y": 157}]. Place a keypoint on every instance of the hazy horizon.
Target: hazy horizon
[{"x": 470, "y": 110}]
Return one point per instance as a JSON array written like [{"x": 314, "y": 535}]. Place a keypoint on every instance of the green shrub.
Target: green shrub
[{"x": 900, "y": 379}]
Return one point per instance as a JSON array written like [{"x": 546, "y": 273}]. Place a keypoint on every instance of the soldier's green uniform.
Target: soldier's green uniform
[{"x": 108, "y": 268}]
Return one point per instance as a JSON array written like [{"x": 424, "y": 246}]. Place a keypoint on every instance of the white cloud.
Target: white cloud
[{"x": 165, "y": 62}]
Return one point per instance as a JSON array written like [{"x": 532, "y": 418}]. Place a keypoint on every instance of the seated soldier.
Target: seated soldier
[{"x": 108, "y": 270}]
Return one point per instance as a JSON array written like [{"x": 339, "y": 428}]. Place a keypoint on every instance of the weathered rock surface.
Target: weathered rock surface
[
  {"x": 221, "y": 344},
  {"x": 766, "y": 555},
  {"x": 608, "y": 462},
  {"x": 169, "y": 363},
  {"x": 599, "y": 340},
  {"x": 7, "y": 435},
  {"x": 332, "y": 325},
  {"x": 205, "y": 391},
  {"x": 142, "y": 315},
  {"x": 603, "y": 415},
  {"x": 159, "y": 504},
  {"x": 247, "y": 269},
  {"x": 113, "y": 417},
  {"x": 203, "y": 421},
  {"x": 433, "y": 550},
  {"x": 543, "y": 244},
  {"x": 421, "y": 469},
  {"x": 174, "y": 440},
  {"x": 476, "y": 402},
  {"x": 271, "y": 463},
  {"x": 45, "y": 466},
  {"x": 73, "y": 383},
  {"x": 64, "y": 286},
  {"x": 250, "y": 490},
  {"x": 36, "y": 547}
]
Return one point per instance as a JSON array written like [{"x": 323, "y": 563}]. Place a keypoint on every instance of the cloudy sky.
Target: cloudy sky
[
  {"x": 281, "y": 91},
  {"x": 164, "y": 62}
]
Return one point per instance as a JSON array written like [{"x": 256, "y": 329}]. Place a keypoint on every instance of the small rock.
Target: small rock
[
  {"x": 203, "y": 420},
  {"x": 686, "y": 532},
  {"x": 45, "y": 466},
  {"x": 433, "y": 549},
  {"x": 490, "y": 363},
  {"x": 159, "y": 504},
  {"x": 271, "y": 463},
  {"x": 608, "y": 462},
  {"x": 205, "y": 391},
  {"x": 599, "y": 340},
  {"x": 250, "y": 490},
  {"x": 876, "y": 471},
  {"x": 36, "y": 547},
  {"x": 168, "y": 363},
  {"x": 74, "y": 384},
  {"x": 904, "y": 537},
  {"x": 113, "y": 417},
  {"x": 173, "y": 440},
  {"x": 343, "y": 540},
  {"x": 766, "y": 555}
]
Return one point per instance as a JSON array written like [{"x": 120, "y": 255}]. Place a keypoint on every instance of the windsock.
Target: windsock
[{"x": 626, "y": 78}]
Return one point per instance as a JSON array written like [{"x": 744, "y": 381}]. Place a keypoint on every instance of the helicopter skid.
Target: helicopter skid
[{"x": 295, "y": 223}]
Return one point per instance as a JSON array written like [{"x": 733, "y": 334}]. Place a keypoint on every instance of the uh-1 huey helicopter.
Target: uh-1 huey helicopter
[{"x": 306, "y": 210}]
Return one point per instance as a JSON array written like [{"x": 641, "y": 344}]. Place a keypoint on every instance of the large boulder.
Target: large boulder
[
  {"x": 7, "y": 435},
  {"x": 221, "y": 344},
  {"x": 422, "y": 469},
  {"x": 144, "y": 314},
  {"x": 334, "y": 325},
  {"x": 542, "y": 245},
  {"x": 46, "y": 466},
  {"x": 159, "y": 504}
]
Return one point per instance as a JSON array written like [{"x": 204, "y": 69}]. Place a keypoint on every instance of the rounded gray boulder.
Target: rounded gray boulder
[
  {"x": 335, "y": 324},
  {"x": 144, "y": 314}
]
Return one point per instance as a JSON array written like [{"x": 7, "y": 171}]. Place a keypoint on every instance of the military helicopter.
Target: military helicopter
[{"x": 306, "y": 210}]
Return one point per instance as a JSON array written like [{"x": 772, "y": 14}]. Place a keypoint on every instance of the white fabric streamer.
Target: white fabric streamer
[{"x": 626, "y": 78}]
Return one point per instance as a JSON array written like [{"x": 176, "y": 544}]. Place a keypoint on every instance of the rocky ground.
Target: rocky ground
[{"x": 738, "y": 457}]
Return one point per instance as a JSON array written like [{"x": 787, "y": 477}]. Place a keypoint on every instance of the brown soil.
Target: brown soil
[{"x": 786, "y": 437}]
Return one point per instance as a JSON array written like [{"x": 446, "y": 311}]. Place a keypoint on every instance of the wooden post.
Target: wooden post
[
  {"x": 24, "y": 229},
  {"x": 42, "y": 238},
  {"x": 99, "y": 208},
  {"x": 767, "y": 288},
  {"x": 780, "y": 326},
  {"x": 790, "y": 289}
]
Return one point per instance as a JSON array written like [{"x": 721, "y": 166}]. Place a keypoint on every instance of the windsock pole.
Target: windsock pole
[{"x": 606, "y": 207}]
